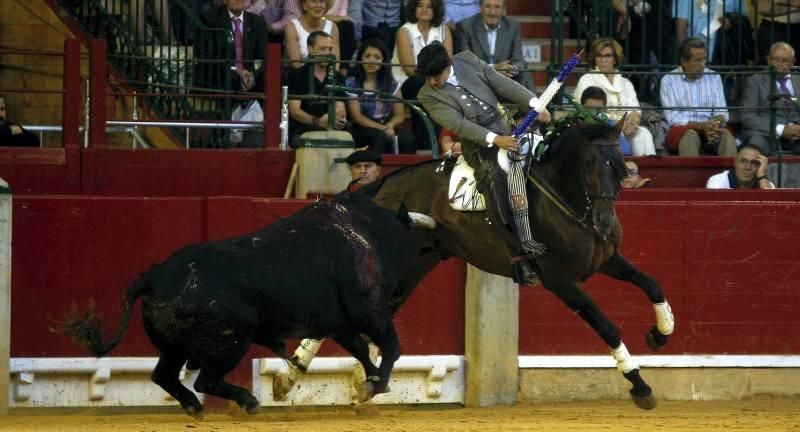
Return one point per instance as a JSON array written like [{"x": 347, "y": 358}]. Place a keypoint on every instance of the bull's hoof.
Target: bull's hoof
[
  {"x": 253, "y": 407},
  {"x": 281, "y": 386},
  {"x": 645, "y": 402},
  {"x": 366, "y": 409},
  {"x": 655, "y": 340},
  {"x": 195, "y": 412}
]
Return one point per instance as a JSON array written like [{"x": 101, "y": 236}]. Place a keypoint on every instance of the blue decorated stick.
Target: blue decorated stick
[{"x": 548, "y": 94}]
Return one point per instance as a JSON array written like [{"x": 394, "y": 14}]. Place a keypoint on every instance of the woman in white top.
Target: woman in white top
[
  {"x": 312, "y": 18},
  {"x": 425, "y": 25},
  {"x": 604, "y": 58}
]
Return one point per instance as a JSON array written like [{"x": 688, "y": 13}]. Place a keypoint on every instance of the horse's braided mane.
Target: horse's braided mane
[{"x": 564, "y": 141}]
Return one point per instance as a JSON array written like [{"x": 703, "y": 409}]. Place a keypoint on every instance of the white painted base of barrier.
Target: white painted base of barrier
[
  {"x": 88, "y": 382},
  {"x": 415, "y": 380},
  {"x": 661, "y": 361},
  {"x": 125, "y": 381}
]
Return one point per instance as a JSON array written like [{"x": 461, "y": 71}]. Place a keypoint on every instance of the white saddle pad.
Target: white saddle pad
[{"x": 462, "y": 194}]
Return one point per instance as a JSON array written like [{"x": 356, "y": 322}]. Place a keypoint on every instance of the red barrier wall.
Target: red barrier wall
[{"x": 729, "y": 268}]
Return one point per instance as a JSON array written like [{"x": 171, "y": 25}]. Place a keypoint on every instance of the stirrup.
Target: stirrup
[{"x": 534, "y": 248}]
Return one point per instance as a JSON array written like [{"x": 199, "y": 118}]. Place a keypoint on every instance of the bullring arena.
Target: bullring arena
[{"x": 88, "y": 213}]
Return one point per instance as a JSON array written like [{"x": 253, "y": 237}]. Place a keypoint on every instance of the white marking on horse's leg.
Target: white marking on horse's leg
[
  {"x": 664, "y": 318},
  {"x": 625, "y": 363},
  {"x": 422, "y": 220},
  {"x": 305, "y": 353}
]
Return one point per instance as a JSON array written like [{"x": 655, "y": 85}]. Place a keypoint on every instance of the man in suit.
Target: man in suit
[
  {"x": 461, "y": 94},
  {"x": 756, "y": 102},
  {"x": 12, "y": 134},
  {"x": 495, "y": 39},
  {"x": 234, "y": 35}
]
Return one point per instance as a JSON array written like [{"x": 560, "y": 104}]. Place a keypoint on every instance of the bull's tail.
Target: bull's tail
[{"x": 86, "y": 328}]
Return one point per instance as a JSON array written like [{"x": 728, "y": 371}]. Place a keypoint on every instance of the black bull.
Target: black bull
[{"x": 330, "y": 269}]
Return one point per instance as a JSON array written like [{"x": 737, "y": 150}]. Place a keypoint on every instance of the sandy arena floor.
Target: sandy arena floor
[{"x": 755, "y": 415}]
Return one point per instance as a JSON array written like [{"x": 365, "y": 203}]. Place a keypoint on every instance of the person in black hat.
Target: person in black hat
[{"x": 365, "y": 167}]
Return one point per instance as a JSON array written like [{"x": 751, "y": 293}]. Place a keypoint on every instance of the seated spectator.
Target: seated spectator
[
  {"x": 12, "y": 134},
  {"x": 457, "y": 10},
  {"x": 495, "y": 39},
  {"x": 424, "y": 26},
  {"x": 312, "y": 115},
  {"x": 595, "y": 98},
  {"x": 378, "y": 19},
  {"x": 756, "y": 104},
  {"x": 337, "y": 12},
  {"x": 605, "y": 58},
  {"x": 634, "y": 180},
  {"x": 448, "y": 141},
  {"x": 694, "y": 106},
  {"x": 749, "y": 171},
  {"x": 244, "y": 37},
  {"x": 703, "y": 19},
  {"x": 276, "y": 15},
  {"x": 780, "y": 21},
  {"x": 312, "y": 18},
  {"x": 375, "y": 119},
  {"x": 365, "y": 167}
]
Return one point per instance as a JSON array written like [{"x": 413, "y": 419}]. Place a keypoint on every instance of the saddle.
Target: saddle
[{"x": 462, "y": 192}]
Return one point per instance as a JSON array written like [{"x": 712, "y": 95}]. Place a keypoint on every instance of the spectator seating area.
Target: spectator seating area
[{"x": 154, "y": 49}]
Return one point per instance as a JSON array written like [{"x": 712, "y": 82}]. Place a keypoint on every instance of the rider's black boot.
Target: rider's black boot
[{"x": 522, "y": 271}]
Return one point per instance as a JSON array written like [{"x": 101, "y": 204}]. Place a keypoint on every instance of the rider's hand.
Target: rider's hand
[{"x": 507, "y": 142}]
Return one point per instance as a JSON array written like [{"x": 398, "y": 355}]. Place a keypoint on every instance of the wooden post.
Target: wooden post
[
  {"x": 97, "y": 93},
  {"x": 5, "y": 293},
  {"x": 491, "y": 348}
]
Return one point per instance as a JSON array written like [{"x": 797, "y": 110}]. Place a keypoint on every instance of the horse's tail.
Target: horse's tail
[{"x": 86, "y": 329}]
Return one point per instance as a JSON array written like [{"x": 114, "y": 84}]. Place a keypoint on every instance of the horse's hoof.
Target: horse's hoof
[
  {"x": 655, "y": 340},
  {"x": 281, "y": 386},
  {"x": 645, "y": 402}
]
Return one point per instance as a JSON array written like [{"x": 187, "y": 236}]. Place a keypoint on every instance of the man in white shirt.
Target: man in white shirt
[{"x": 749, "y": 171}]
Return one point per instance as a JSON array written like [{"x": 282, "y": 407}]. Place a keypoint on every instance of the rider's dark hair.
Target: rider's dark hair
[
  {"x": 594, "y": 92},
  {"x": 433, "y": 60}
]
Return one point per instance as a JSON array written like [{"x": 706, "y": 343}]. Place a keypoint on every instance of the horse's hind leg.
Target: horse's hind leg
[
  {"x": 620, "y": 268},
  {"x": 577, "y": 300},
  {"x": 166, "y": 374}
]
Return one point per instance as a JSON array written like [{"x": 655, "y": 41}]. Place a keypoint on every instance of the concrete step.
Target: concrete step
[
  {"x": 536, "y": 26},
  {"x": 528, "y": 7}
]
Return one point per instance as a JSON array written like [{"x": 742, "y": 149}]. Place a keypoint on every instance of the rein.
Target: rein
[{"x": 561, "y": 204}]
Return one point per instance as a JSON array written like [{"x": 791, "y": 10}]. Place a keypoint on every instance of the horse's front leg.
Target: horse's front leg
[
  {"x": 620, "y": 268},
  {"x": 576, "y": 299}
]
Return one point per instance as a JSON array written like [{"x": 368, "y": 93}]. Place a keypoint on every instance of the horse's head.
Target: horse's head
[
  {"x": 603, "y": 170},
  {"x": 587, "y": 166}
]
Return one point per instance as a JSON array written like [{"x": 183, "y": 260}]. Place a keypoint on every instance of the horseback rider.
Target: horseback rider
[{"x": 461, "y": 94}]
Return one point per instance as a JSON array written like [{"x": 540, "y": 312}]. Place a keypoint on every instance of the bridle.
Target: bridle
[{"x": 590, "y": 198}]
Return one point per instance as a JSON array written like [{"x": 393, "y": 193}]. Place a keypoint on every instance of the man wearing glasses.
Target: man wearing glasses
[
  {"x": 749, "y": 171},
  {"x": 762, "y": 92}
]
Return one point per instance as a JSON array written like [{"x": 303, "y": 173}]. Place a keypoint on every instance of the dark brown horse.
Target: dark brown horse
[{"x": 572, "y": 191}]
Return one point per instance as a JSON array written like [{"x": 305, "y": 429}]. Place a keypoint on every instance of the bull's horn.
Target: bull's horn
[{"x": 421, "y": 220}]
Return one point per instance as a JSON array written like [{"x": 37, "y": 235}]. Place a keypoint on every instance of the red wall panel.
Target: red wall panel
[{"x": 728, "y": 269}]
